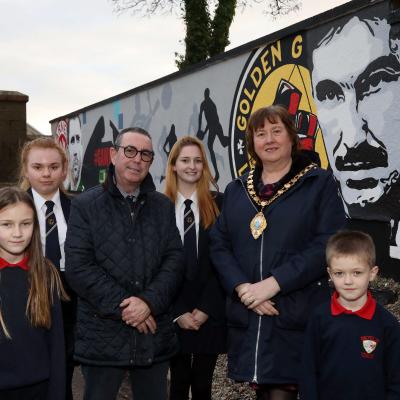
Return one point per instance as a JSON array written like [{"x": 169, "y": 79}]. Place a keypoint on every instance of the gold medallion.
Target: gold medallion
[{"x": 258, "y": 224}]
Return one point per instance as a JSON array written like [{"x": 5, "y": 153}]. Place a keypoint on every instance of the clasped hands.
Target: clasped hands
[
  {"x": 256, "y": 296},
  {"x": 192, "y": 320},
  {"x": 136, "y": 313}
]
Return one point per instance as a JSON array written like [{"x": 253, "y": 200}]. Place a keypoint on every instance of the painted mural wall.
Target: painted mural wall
[{"x": 340, "y": 81}]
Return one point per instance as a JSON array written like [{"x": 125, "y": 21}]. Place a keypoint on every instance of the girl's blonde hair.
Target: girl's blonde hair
[
  {"x": 39, "y": 143},
  {"x": 43, "y": 278},
  {"x": 207, "y": 207}
]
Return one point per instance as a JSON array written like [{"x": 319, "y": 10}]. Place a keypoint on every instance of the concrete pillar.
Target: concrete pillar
[{"x": 12, "y": 133}]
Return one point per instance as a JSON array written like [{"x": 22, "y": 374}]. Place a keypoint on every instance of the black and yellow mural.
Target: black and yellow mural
[
  {"x": 276, "y": 74},
  {"x": 338, "y": 75}
]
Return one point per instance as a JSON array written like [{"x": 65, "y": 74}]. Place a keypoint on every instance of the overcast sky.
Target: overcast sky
[{"x": 67, "y": 54}]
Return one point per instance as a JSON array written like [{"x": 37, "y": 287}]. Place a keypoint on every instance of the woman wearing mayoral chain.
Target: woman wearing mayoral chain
[{"x": 268, "y": 246}]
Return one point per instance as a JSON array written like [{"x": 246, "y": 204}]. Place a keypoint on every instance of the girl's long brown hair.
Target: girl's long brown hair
[
  {"x": 207, "y": 207},
  {"x": 43, "y": 278}
]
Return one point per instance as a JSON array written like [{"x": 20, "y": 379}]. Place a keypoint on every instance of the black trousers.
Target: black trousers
[
  {"x": 148, "y": 383},
  {"x": 193, "y": 371},
  {"x": 38, "y": 391}
]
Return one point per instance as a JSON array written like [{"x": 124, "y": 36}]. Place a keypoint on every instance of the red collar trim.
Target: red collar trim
[
  {"x": 23, "y": 264},
  {"x": 366, "y": 311}
]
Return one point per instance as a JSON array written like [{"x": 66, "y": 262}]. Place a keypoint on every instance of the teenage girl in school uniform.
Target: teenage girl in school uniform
[
  {"x": 44, "y": 167},
  {"x": 32, "y": 357},
  {"x": 199, "y": 307}
]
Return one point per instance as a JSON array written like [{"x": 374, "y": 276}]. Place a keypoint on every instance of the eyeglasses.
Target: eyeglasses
[{"x": 131, "y": 152}]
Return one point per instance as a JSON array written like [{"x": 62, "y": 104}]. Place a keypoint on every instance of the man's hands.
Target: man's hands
[
  {"x": 257, "y": 296},
  {"x": 136, "y": 313}
]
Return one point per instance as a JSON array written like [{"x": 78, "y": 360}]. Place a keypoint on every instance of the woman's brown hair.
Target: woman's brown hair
[
  {"x": 43, "y": 278},
  {"x": 40, "y": 143},
  {"x": 270, "y": 113},
  {"x": 207, "y": 207}
]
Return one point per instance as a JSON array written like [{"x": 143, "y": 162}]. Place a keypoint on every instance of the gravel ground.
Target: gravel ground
[{"x": 223, "y": 388}]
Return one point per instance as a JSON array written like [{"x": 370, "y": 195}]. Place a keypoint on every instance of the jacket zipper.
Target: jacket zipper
[
  {"x": 133, "y": 215},
  {"x": 134, "y": 348},
  {"x": 259, "y": 317}
]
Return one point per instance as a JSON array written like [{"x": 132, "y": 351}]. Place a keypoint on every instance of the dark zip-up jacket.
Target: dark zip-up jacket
[
  {"x": 267, "y": 349},
  {"x": 110, "y": 256}
]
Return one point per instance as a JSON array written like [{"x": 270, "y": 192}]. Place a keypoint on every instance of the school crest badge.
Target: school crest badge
[{"x": 369, "y": 344}]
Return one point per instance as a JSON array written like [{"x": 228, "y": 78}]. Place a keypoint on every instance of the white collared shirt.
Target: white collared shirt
[
  {"x": 179, "y": 210},
  {"x": 61, "y": 222}
]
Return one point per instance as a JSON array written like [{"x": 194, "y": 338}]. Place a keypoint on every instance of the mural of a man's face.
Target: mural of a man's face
[
  {"x": 75, "y": 151},
  {"x": 356, "y": 87}
]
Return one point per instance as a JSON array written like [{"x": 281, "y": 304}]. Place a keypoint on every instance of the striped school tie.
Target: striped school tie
[
  {"x": 53, "y": 252},
  {"x": 189, "y": 240}
]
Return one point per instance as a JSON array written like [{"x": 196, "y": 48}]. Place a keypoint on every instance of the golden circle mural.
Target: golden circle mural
[{"x": 275, "y": 74}]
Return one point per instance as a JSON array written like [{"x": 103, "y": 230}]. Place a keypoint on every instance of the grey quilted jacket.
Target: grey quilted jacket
[{"x": 111, "y": 256}]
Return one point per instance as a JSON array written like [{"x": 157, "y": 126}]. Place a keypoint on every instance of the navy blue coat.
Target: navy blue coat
[{"x": 266, "y": 349}]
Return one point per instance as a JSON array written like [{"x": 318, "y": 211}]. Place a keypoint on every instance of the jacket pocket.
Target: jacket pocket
[
  {"x": 237, "y": 314},
  {"x": 294, "y": 308}
]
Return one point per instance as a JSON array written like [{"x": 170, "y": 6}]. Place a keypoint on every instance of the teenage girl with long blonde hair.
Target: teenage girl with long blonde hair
[
  {"x": 199, "y": 308},
  {"x": 32, "y": 362}
]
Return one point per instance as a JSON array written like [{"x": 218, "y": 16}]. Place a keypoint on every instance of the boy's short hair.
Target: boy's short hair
[{"x": 351, "y": 243}]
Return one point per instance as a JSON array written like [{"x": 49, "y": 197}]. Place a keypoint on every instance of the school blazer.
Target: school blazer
[{"x": 205, "y": 293}]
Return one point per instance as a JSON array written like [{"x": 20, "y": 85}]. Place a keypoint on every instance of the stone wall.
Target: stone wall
[{"x": 12, "y": 133}]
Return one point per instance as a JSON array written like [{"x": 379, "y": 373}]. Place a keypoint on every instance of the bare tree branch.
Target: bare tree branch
[
  {"x": 282, "y": 7},
  {"x": 145, "y": 7},
  {"x": 207, "y": 33}
]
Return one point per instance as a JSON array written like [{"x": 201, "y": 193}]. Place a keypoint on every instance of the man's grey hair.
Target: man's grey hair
[{"x": 134, "y": 129}]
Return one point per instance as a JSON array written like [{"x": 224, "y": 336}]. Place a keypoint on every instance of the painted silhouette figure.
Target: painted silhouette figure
[
  {"x": 170, "y": 140},
  {"x": 213, "y": 128},
  {"x": 97, "y": 155},
  {"x": 192, "y": 127},
  {"x": 140, "y": 118}
]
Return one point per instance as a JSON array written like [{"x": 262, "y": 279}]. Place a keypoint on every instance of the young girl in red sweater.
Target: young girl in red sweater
[{"x": 32, "y": 358}]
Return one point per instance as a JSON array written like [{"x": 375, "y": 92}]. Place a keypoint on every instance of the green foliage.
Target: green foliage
[
  {"x": 205, "y": 36},
  {"x": 197, "y": 40},
  {"x": 220, "y": 25}
]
